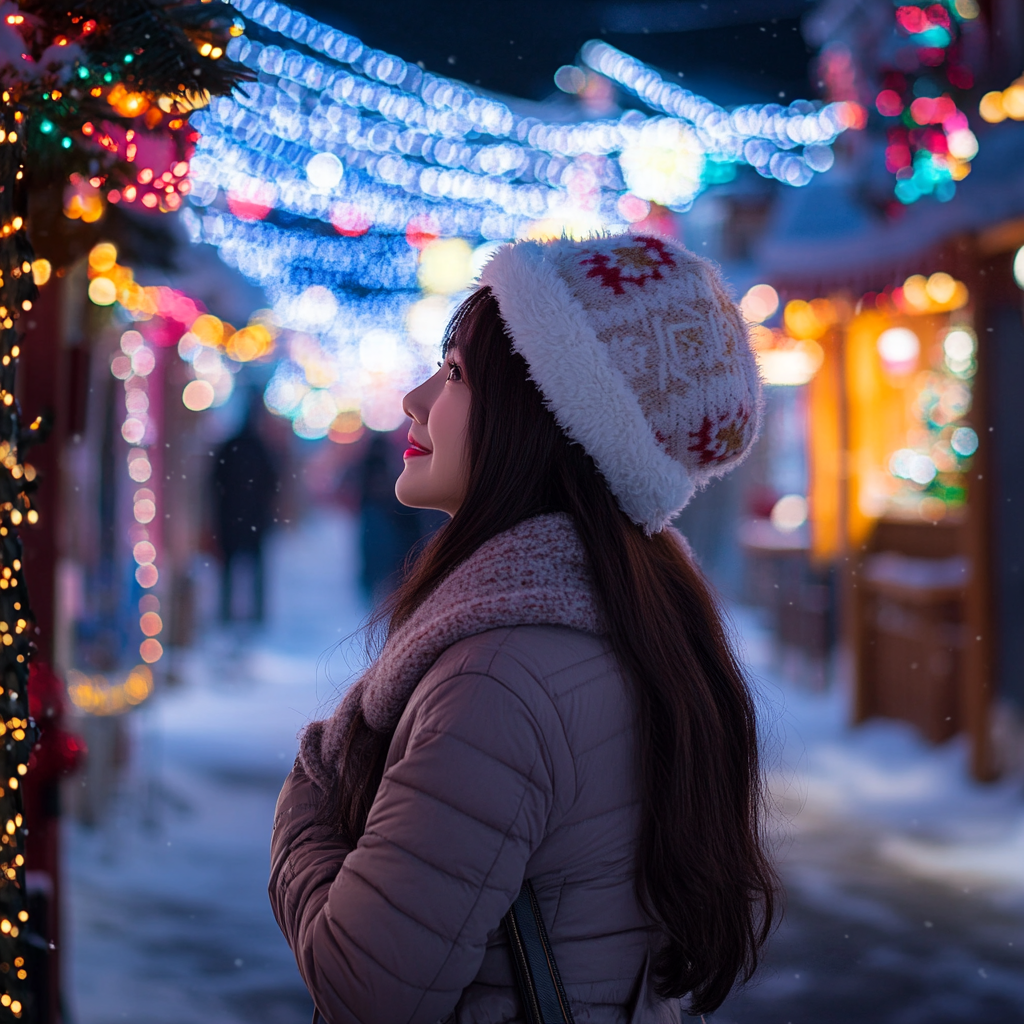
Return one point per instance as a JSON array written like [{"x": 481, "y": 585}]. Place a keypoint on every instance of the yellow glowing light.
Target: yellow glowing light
[
  {"x": 88, "y": 207},
  {"x": 41, "y": 270},
  {"x": 791, "y": 363},
  {"x": 346, "y": 428},
  {"x": 209, "y": 329},
  {"x": 102, "y": 291},
  {"x": 102, "y": 257},
  {"x": 98, "y": 695},
  {"x": 127, "y": 104},
  {"x": 941, "y": 288},
  {"x": 759, "y": 303},
  {"x": 181, "y": 103},
  {"x": 959, "y": 169},
  {"x": 249, "y": 343},
  {"x": 939, "y": 293},
  {"x": 446, "y": 266},
  {"x": 915, "y": 291},
  {"x": 1013, "y": 100},
  {"x": 809, "y": 320},
  {"x": 198, "y": 395},
  {"x": 991, "y": 107}
]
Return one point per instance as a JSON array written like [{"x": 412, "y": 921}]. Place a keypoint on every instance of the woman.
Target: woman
[{"x": 556, "y": 699}]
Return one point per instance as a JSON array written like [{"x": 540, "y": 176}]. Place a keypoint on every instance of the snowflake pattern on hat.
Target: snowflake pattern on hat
[
  {"x": 642, "y": 356},
  {"x": 644, "y": 257}
]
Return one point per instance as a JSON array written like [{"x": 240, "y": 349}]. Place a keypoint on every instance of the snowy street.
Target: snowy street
[{"x": 905, "y": 881}]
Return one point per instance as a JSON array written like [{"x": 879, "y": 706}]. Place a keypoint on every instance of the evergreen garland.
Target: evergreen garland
[{"x": 68, "y": 72}]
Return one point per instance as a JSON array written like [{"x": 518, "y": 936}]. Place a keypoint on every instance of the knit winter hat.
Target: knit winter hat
[{"x": 642, "y": 357}]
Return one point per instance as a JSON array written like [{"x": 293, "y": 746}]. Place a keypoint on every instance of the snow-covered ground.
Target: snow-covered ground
[{"x": 905, "y": 881}]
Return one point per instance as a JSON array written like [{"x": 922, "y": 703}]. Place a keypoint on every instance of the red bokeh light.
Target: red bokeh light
[
  {"x": 422, "y": 230},
  {"x": 889, "y": 103},
  {"x": 912, "y": 19},
  {"x": 349, "y": 220},
  {"x": 897, "y": 156},
  {"x": 925, "y": 110}
]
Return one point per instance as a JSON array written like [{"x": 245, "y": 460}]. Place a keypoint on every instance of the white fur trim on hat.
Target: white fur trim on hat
[{"x": 589, "y": 397}]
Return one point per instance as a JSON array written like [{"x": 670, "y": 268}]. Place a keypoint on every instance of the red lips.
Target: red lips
[{"x": 415, "y": 448}]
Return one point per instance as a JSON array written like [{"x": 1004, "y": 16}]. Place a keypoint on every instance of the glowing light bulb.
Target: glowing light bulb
[
  {"x": 789, "y": 513},
  {"x": 899, "y": 348},
  {"x": 760, "y": 303},
  {"x": 325, "y": 171}
]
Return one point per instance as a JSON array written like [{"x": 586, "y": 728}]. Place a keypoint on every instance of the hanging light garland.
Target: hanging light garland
[
  {"x": 160, "y": 318},
  {"x": 929, "y": 143},
  {"x": 335, "y": 177},
  {"x": 83, "y": 82}
]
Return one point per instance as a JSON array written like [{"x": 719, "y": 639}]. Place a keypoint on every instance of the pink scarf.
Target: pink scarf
[{"x": 536, "y": 573}]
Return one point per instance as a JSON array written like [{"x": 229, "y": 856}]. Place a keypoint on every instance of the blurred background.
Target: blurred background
[{"x": 231, "y": 307}]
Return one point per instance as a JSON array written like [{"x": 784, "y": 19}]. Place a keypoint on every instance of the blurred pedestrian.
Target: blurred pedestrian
[
  {"x": 388, "y": 530},
  {"x": 244, "y": 488}
]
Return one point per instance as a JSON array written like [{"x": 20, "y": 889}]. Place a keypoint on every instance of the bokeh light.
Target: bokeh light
[
  {"x": 198, "y": 395},
  {"x": 789, "y": 513},
  {"x": 899, "y": 348},
  {"x": 760, "y": 303},
  {"x": 102, "y": 291}
]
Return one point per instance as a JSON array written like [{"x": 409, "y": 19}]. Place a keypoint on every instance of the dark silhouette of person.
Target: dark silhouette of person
[
  {"x": 388, "y": 530},
  {"x": 244, "y": 488}
]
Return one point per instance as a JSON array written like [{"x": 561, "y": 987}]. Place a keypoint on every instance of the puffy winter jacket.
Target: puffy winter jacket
[{"x": 515, "y": 758}]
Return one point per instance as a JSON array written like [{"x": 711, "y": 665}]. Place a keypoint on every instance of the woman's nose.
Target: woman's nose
[{"x": 417, "y": 402}]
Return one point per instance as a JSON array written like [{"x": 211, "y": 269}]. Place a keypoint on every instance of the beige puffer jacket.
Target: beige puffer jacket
[{"x": 514, "y": 758}]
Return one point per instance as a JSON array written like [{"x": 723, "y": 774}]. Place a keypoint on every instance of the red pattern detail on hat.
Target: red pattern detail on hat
[
  {"x": 727, "y": 441},
  {"x": 647, "y": 255}
]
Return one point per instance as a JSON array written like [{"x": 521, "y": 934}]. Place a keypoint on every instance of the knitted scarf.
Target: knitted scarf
[{"x": 536, "y": 573}]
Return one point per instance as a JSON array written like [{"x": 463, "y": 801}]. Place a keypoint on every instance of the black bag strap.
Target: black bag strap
[{"x": 537, "y": 977}]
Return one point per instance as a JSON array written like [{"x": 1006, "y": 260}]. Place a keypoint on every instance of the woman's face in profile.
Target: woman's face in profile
[{"x": 437, "y": 461}]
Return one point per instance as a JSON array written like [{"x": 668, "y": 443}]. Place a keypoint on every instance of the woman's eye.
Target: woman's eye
[{"x": 455, "y": 372}]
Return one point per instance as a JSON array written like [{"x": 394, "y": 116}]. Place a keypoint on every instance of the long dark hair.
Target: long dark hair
[{"x": 702, "y": 870}]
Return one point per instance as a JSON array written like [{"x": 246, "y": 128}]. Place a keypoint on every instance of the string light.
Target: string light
[
  {"x": 929, "y": 143},
  {"x": 389, "y": 158},
  {"x": 98, "y": 695},
  {"x": 924, "y": 370},
  {"x": 161, "y": 316}
]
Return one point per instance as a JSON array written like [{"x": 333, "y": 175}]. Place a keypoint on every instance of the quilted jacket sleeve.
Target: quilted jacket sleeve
[
  {"x": 304, "y": 856},
  {"x": 400, "y": 929}
]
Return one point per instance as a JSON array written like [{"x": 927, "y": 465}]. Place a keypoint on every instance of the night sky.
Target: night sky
[{"x": 732, "y": 50}]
